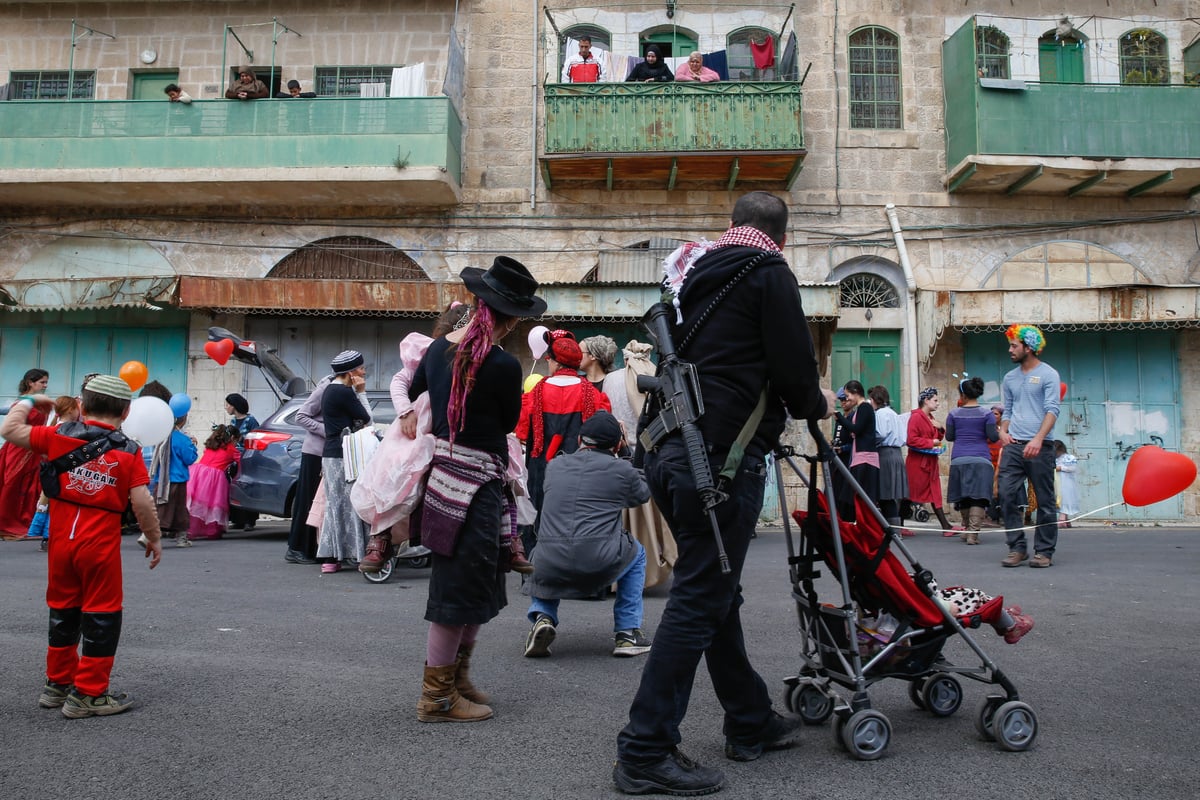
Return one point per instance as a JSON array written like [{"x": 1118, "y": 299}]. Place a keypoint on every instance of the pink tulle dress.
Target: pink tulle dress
[
  {"x": 391, "y": 485},
  {"x": 208, "y": 492}
]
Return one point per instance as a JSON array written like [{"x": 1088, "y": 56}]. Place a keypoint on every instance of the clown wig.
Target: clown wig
[{"x": 1029, "y": 335}]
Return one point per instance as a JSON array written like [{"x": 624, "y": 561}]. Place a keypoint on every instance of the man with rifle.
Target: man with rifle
[{"x": 741, "y": 325}]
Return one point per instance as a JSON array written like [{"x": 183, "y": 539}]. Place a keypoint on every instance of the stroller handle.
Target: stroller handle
[{"x": 824, "y": 451}]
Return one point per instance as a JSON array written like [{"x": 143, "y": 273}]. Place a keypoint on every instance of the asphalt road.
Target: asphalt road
[{"x": 260, "y": 679}]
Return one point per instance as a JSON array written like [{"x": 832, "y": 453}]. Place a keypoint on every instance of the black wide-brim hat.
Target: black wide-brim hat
[{"x": 507, "y": 287}]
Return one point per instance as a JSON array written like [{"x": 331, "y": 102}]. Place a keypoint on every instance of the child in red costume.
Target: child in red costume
[{"x": 84, "y": 576}]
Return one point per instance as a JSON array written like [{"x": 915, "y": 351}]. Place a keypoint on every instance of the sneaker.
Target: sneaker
[
  {"x": 1022, "y": 624},
  {"x": 379, "y": 552},
  {"x": 183, "y": 541},
  {"x": 537, "y": 645},
  {"x": 630, "y": 643},
  {"x": 675, "y": 774},
  {"x": 77, "y": 706},
  {"x": 330, "y": 567},
  {"x": 1014, "y": 559},
  {"x": 297, "y": 557},
  {"x": 53, "y": 694},
  {"x": 1040, "y": 561},
  {"x": 143, "y": 541},
  {"x": 780, "y": 732}
]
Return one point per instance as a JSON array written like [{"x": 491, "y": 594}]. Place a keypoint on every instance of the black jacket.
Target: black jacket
[{"x": 757, "y": 335}]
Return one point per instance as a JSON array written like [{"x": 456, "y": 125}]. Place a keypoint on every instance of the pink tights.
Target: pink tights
[{"x": 444, "y": 641}]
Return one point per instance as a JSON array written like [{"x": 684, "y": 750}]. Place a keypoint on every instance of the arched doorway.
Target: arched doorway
[{"x": 867, "y": 344}]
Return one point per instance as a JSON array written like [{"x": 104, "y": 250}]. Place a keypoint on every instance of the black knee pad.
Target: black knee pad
[
  {"x": 101, "y": 633},
  {"x": 64, "y": 627}
]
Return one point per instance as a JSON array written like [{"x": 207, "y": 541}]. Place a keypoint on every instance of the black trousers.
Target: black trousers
[
  {"x": 702, "y": 617},
  {"x": 302, "y": 536}
]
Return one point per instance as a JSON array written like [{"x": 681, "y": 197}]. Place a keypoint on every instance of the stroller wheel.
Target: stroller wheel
[
  {"x": 1015, "y": 726},
  {"x": 942, "y": 694},
  {"x": 813, "y": 705},
  {"x": 921, "y": 514},
  {"x": 915, "y": 694},
  {"x": 385, "y": 572},
  {"x": 866, "y": 734},
  {"x": 986, "y": 715}
]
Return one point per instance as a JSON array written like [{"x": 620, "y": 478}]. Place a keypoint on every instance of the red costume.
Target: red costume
[
  {"x": 83, "y": 587},
  {"x": 924, "y": 476},
  {"x": 19, "y": 489}
]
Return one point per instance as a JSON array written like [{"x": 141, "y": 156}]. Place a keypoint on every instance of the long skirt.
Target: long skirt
[
  {"x": 893, "y": 478},
  {"x": 19, "y": 489},
  {"x": 467, "y": 588},
  {"x": 343, "y": 535}
]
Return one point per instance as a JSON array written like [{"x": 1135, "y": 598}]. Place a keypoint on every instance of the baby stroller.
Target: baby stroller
[{"x": 841, "y": 645}]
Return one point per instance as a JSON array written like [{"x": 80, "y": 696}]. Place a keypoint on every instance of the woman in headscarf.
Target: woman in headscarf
[
  {"x": 469, "y": 522},
  {"x": 925, "y": 436},
  {"x": 599, "y": 353},
  {"x": 652, "y": 70},
  {"x": 971, "y": 427}
]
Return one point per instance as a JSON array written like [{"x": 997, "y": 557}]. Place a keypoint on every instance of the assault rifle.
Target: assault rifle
[{"x": 677, "y": 391}]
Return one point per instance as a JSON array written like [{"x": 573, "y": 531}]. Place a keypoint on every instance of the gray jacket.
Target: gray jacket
[
  {"x": 581, "y": 546},
  {"x": 312, "y": 420}
]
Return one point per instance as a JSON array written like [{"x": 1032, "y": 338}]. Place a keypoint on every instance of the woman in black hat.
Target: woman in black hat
[
  {"x": 238, "y": 408},
  {"x": 468, "y": 522}
]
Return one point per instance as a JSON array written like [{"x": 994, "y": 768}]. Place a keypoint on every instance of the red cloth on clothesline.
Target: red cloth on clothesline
[{"x": 763, "y": 54}]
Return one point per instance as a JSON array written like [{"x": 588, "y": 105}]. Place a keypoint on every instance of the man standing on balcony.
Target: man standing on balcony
[
  {"x": 742, "y": 325},
  {"x": 583, "y": 67},
  {"x": 247, "y": 86}
]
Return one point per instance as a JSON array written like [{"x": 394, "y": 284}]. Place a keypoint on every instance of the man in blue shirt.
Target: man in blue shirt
[{"x": 1031, "y": 399}]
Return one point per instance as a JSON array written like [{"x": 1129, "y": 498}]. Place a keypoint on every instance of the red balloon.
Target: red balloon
[
  {"x": 1062, "y": 391},
  {"x": 220, "y": 351},
  {"x": 1154, "y": 475}
]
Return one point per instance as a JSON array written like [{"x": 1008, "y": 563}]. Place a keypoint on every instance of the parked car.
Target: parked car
[{"x": 266, "y": 482}]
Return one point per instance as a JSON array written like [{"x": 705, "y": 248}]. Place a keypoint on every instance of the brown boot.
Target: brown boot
[
  {"x": 441, "y": 702},
  {"x": 379, "y": 550},
  {"x": 462, "y": 678},
  {"x": 975, "y": 517},
  {"x": 515, "y": 556}
]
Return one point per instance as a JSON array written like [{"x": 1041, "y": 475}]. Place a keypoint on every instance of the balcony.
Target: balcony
[
  {"x": 1069, "y": 139},
  {"x": 320, "y": 153},
  {"x": 673, "y": 135}
]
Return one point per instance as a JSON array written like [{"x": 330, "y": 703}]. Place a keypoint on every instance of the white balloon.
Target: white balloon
[
  {"x": 537, "y": 344},
  {"x": 150, "y": 421}
]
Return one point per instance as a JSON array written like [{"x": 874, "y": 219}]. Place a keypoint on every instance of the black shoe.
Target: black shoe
[
  {"x": 780, "y": 732},
  {"x": 249, "y": 526},
  {"x": 236, "y": 526},
  {"x": 297, "y": 557},
  {"x": 676, "y": 774}
]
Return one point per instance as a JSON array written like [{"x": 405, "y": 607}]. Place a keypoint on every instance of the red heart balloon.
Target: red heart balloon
[
  {"x": 1154, "y": 475},
  {"x": 219, "y": 351},
  {"x": 1062, "y": 391}
]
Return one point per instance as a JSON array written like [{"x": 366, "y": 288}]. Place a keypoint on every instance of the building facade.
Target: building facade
[{"x": 1038, "y": 168}]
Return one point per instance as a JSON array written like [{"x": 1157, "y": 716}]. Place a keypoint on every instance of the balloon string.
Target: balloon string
[{"x": 1060, "y": 522}]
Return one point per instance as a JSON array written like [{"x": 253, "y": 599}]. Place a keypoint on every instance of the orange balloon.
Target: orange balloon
[
  {"x": 1154, "y": 475},
  {"x": 134, "y": 373},
  {"x": 1062, "y": 391}
]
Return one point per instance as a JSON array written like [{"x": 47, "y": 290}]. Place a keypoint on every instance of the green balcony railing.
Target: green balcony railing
[
  {"x": 1087, "y": 120},
  {"x": 672, "y": 117},
  {"x": 225, "y": 134}
]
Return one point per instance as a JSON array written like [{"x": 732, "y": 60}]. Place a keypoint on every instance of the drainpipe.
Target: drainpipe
[
  {"x": 910, "y": 284},
  {"x": 533, "y": 128}
]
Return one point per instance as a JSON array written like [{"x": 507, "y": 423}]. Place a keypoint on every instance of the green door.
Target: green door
[
  {"x": 672, "y": 44},
  {"x": 1060, "y": 61},
  {"x": 1122, "y": 393},
  {"x": 870, "y": 357},
  {"x": 150, "y": 85}
]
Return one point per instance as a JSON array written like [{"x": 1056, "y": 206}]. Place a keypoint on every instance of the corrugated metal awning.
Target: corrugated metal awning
[
  {"x": 74, "y": 294},
  {"x": 317, "y": 296}
]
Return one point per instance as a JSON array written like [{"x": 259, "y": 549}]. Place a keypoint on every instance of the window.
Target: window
[
  {"x": 51, "y": 85},
  {"x": 344, "y": 81},
  {"x": 991, "y": 52},
  {"x": 1144, "y": 57},
  {"x": 741, "y": 57},
  {"x": 865, "y": 290},
  {"x": 874, "y": 79}
]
